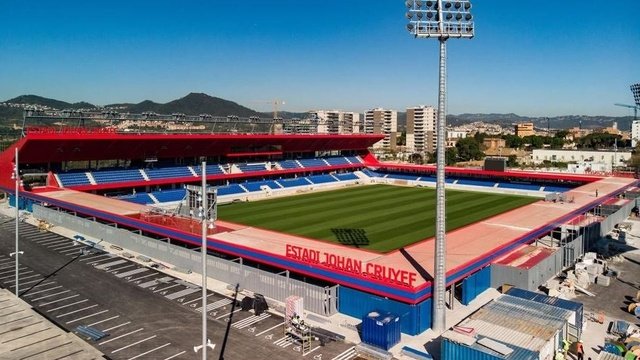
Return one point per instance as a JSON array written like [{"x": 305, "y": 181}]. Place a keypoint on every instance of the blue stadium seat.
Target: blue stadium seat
[
  {"x": 138, "y": 198},
  {"x": 321, "y": 179},
  {"x": 251, "y": 167},
  {"x": 293, "y": 182},
  {"x": 230, "y": 190},
  {"x": 168, "y": 172},
  {"x": 310, "y": 163},
  {"x": 255, "y": 185},
  {"x": 354, "y": 159},
  {"x": 486, "y": 183},
  {"x": 403, "y": 177},
  {"x": 337, "y": 160},
  {"x": 74, "y": 179},
  {"x": 530, "y": 187},
  {"x": 169, "y": 195},
  {"x": 371, "y": 173},
  {"x": 346, "y": 176},
  {"x": 112, "y": 176},
  {"x": 212, "y": 169},
  {"x": 556, "y": 188},
  {"x": 289, "y": 164}
]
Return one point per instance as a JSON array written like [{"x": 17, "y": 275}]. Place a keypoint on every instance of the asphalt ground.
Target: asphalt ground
[{"x": 145, "y": 314}]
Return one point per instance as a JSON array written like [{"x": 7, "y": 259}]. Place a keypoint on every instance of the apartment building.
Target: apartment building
[
  {"x": 382, "y": 121},
  {"x": 421, "y": 129}
]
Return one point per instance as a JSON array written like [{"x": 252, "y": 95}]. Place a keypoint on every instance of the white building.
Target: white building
[
  {"x": 635, "y": 132},
  {"x": 614, "y": 158},
  {"x": 336, "y": 121},
  {"x": 421, "y": 129},
  {"x": 381, "y": 121}
]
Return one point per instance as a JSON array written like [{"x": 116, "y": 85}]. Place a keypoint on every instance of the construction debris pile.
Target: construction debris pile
[
  {"x": 591, "y": 269},
  {"x": 624, "y": 340}
]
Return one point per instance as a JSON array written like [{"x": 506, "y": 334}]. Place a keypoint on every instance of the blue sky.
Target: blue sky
[{"x": 528, "y": 57}]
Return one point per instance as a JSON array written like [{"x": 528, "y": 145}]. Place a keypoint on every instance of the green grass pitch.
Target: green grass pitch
[{"x": 376, "y": 217}]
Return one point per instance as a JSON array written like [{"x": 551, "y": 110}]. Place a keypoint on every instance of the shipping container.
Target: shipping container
[
  {"x": 475, "y": 284},
  {"x": 574, "y": 306},
  {"x": 381, "y": 329},
  {"x": 451, "y": 350},
  {"x": 415, "y": 318}
]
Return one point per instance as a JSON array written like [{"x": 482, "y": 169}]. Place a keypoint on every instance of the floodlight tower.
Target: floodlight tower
[
  {"x": 635, "y": 89},
  {"x": 440, "y": 19}
]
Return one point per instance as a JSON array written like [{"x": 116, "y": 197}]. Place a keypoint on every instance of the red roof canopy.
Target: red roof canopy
[{"x": 42, "y": 147}]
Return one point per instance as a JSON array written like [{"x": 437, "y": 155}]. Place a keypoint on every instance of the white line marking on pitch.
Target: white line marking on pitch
[{"x": 121, "y": 336}]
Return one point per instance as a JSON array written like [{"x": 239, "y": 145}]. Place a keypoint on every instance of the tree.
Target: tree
[
  {"x": 469, "y": 149},
  {"x": 512, "y": 141},
  {"x": 451, "y": 156},
  {"x": 512, "y": 161}
]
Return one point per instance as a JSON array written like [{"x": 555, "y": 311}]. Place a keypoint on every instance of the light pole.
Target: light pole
[
  {"x": 205, "y": 200},
  {"x": 442, "y": 20},
  {"x": 16, "y": 177}
]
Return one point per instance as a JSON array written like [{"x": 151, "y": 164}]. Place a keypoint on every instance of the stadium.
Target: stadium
[{"x": 313, "y": 215}]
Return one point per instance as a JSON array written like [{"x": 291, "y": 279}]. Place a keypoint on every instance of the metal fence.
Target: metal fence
[
  {"x": 317, "y": 299},
  {"x": 617, "y": 217}
]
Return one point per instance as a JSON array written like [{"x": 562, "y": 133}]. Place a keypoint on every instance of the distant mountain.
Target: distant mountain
[
  {"x": 52, "y": 103},
  {"x": 555, "y": 122},
  {"x": 199, "y": 103},
  {"x": 192, "y": 104}
]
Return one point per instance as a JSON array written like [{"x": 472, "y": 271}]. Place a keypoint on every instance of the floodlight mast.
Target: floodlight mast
[{"x": 441, "y": 19}]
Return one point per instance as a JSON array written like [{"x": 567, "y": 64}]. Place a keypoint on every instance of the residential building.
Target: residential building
[
  {"x": 421, "y": 129},
  {"x": 382, "y": 121},
  {"x": 453, "y": 136},
  {"x": 615, "y": 158},
  {"x": 336, "y": 121},
  {"x": 635, "y": 132},
  {"x": 491, "y": 143},
  {"x": 524, "y": 129}
]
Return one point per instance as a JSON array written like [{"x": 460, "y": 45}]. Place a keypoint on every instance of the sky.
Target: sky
[{"x": 528, "y": 57}]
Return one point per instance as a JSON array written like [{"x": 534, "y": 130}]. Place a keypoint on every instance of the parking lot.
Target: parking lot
[{"x": 142, "y": 312}]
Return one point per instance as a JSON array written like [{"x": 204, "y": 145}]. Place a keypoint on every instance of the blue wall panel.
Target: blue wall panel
[
  {"x": 475, "y": 284},
  {"x": 414, "y": 318}
]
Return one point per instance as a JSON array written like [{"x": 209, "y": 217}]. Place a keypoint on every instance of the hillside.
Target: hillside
[
  {"x": 200, "y": 103},
  {"x": 192, "y": 104},
  {"x": 52, "y": 103}
]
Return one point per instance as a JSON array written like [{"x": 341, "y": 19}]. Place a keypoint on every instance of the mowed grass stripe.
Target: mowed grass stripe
[{"x": 390, "y": 216}]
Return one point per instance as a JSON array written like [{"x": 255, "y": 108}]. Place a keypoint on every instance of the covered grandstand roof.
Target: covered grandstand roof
[{"x": 81, "y": 144}]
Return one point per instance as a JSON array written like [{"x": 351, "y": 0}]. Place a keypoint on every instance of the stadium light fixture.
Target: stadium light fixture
[
  {"x": 440, "y": 19},
  {"x": 635, "y": 89}
]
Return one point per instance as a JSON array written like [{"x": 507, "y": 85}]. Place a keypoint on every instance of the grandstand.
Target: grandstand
[{"x": 83, "y": 166}]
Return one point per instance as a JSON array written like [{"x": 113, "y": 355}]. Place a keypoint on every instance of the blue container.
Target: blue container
[
  {"x": 381, "y": 329},
  {"x": 574, "y": 306},
  {"x": 415, "y": 318}
]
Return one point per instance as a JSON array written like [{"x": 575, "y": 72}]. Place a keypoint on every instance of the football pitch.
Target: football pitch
[{"x": 375, "y": 217}]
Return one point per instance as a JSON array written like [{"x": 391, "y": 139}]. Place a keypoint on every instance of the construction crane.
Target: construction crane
[{"x": 275, "y": 103}]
